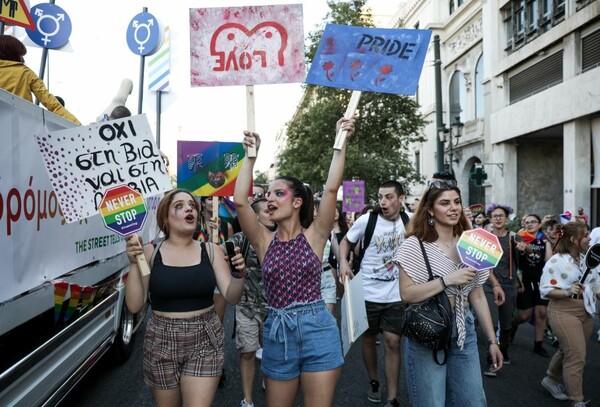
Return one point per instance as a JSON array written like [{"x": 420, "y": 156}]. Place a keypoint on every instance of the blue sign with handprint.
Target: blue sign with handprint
[{"x": 370, "y": 59}]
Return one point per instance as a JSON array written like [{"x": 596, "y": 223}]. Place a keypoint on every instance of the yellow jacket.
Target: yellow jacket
[{"x": 17, "y": 78}]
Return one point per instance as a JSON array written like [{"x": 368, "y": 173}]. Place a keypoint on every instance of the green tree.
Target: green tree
[{"x": 386, "y": 125}]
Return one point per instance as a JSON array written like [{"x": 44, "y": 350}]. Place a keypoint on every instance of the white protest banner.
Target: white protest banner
[
  {"x": 36, "y": 245},
  {"x": 354, "y": 313},
  {"x": 82, "y": 162},
  {"x": 246, "y": 45}
]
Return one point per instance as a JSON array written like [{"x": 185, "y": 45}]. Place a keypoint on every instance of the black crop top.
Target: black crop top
[{"x": 182, "y": 289}]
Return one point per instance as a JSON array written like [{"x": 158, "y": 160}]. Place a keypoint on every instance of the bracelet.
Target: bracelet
[
  {"x": 443, "y": 283},
  {"x": 496, "y": 285},
  {"x": 238, "y": 275},
  {"x": 493, "y": 342}
]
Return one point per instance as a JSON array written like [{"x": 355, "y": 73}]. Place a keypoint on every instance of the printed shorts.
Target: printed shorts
[
  {"x": 248, "y": 331},
  {"x": 175, "y": 347}
]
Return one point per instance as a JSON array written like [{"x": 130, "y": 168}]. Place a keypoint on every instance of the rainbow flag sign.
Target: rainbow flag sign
[
  {"x": 209, "y": 168},
  {"x": 479, "y": 249},
  {"x": 123, "y": 210}
]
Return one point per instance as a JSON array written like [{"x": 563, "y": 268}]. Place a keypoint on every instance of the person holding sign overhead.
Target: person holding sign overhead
[
  {"x": 570, "y": 311},
  {"x": 302, "y": 344},
  {"x": 438, "y": 223},
  {"x": 184, "y": 342}
]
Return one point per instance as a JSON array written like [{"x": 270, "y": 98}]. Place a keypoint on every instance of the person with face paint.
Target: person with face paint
[
  {"x": 570, "y": 311},
  {"x": 184, "y": 342},
  {"x": 302, "y": 345}
]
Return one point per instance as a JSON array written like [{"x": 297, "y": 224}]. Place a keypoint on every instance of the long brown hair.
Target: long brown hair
[
  {"x": 162, "y": 212},
  {"x": 419, "y": 226},
  {"x": 565, "y": 232}
]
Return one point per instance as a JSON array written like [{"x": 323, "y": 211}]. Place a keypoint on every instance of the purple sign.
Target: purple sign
[
  {"x": 354, "y": 196},
  {"x": 370, "y": 59}
]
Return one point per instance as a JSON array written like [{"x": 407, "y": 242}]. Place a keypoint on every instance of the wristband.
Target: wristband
[
  {"x": 238, "y": 275},
  {"x": 493, "y": 342},
  {"x": 496, "y": 285},
  {"x": 443, "y": 283}
]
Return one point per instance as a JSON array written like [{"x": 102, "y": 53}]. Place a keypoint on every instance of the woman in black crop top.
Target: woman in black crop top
[{"x": 183, "y": 324}]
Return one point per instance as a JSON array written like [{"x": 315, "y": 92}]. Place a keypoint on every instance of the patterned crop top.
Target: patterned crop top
[
  {"x": 182, "y": 289},
  {"x": 291, "y": 272}
]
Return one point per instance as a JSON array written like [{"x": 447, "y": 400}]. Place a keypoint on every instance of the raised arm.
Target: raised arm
[
  {"x": 321, "y": 227},
  {"x": 256, "y": 233}
]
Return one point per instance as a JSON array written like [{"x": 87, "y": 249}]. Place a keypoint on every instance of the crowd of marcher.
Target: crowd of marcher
[{"x": 291, "y": 253}]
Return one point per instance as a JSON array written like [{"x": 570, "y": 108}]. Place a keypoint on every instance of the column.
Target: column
[{"x": 577, "y": 157}]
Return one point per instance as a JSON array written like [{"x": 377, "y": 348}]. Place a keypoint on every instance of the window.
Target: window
[
  {"x": 536, "y": 78},
  {"x": 479, "y": 107},
  {"x": 457, "y": 97},
  {"x": 590, "y": 51},
  {"x": 524, "y": 20}
]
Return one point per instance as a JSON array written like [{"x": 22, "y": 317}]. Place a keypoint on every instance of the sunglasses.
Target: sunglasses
[
  {"x": 258, "y": 196},
  {"x": 449, "y": 183}
]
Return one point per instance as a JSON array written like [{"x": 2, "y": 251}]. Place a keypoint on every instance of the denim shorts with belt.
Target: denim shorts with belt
[{"x": 302, "y": 337}]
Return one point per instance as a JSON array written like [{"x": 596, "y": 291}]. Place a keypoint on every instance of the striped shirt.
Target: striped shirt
[{"x": 409, "y": 257}]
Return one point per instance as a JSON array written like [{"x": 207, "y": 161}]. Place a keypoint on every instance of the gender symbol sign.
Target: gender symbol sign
[
  {"x": 370, "y": 59},
  {"x": 15, "y": 12},
  {"x": 209, "y": 168},
  {"x": 52, "y": 26},
  {"x": 144, "y": 34},
  {"x": 354, "y": 196},
  {"x": 124, "y": 212},
  {"x": 479, "y": 249},
  {"x": 246, "y": 45},
  {"x": 83, "y": 162}
]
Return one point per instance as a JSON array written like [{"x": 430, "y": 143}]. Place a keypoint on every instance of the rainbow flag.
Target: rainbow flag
[
  {"x": 73, "y": 301},
  {"x": 60, "y": 291},
  {"x": 209, "y": 168}
]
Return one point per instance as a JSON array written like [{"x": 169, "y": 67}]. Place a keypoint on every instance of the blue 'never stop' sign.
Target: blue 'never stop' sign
[
  {"x": 144, "y": 34},
  {"x": 52, "y": 25}
]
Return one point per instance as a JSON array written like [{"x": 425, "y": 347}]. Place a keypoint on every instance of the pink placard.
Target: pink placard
[{"x": 246, "y": 45}]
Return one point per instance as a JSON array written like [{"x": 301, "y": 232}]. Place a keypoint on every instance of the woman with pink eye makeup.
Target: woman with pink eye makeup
[
  {"x": 184, "y": 341},
  {"x": 301, "y": 340}
]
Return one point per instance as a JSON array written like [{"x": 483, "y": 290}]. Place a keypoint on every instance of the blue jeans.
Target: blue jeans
[{"x": 457, "y": 383}]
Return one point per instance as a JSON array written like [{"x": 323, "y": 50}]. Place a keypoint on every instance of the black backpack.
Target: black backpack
[{"x": 366, "y": 240}]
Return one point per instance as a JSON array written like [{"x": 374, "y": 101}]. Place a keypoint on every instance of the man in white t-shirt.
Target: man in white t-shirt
[{"x": 385, "y": 310}]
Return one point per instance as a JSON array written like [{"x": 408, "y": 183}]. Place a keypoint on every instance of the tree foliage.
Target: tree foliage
[{"x": 386, "y": 125}]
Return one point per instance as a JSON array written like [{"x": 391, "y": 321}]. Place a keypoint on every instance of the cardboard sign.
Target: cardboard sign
[
  {"x": 370, "y": 59},
  {"x": 354, "y": 313},
  {"x": 83, "y": 162},
  {"x": 354, "y": 196},
  {"x": 209, "y": 168},
  {"x": 246, "y": 45},
  {"x": 479, "y": 249}
]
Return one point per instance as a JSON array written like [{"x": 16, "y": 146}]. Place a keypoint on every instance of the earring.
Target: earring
[{"x": 431, "y": 221}]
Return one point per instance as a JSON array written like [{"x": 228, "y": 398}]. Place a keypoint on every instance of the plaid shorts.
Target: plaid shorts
[{"x": 176, "y": 347}]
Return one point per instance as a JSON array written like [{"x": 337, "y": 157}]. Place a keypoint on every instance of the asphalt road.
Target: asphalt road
[{"x": 109, "y": 385}]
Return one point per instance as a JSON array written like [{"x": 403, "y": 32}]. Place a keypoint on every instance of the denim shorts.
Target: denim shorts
[
  {"x": 456, "y": 384},
  {"x": 300, "y": 338},
  {"x": 328, "y": 289}
]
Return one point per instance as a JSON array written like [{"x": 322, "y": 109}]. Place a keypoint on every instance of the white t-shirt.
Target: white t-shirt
[
  {"x": 595, "y": 236},
  {"x": 379, "y": 273}
]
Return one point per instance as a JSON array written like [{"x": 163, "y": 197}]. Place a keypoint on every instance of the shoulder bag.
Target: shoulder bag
[{"x": 430, "y": 322}]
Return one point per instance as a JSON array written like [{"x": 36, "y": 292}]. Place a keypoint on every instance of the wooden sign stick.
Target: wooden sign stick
[
  {"x": 215, "y": 215},
  {"x": 141, "y": 262},
  {"x": 340, "y": 138},
  {"x": 250, "y": 116}
]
